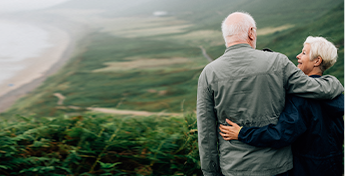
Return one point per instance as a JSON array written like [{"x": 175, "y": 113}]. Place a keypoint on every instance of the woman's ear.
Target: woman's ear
[{"x": 317, "y": 61}]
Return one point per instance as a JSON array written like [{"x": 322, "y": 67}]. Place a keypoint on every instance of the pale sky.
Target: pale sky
[{"x": 23, "y": 5}]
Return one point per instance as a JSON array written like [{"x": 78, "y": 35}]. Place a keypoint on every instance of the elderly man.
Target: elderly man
[{"x": 248, "y": 87}]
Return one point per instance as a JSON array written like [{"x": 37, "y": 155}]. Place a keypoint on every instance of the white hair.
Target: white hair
[
  {"x": 238, "y": 30},
  {"x": 319, "y": 46}
]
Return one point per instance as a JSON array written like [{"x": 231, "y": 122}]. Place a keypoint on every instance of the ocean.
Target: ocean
[{"x": 18, "y": 43}]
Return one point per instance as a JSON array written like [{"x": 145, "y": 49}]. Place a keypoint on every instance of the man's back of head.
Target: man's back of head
[{"x": 239, "y": 27}]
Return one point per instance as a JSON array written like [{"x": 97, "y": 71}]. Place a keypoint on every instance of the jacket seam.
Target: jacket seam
[
  {"x": 242, "y": 76},
  {"x": 209, "y": 157},
  {"x": 281, "y": 169}
]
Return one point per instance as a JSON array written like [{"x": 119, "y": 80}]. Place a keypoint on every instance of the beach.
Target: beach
[{"x": 35, "y": 68}]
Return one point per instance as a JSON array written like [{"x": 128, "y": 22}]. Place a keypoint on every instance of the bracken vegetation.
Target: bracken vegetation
[
  {"x": 96, "y": 144},
  {"x": 52, "y": 138}
]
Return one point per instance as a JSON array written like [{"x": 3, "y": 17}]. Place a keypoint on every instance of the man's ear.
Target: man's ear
[
  {"x": 317, "y": 61},
  {"x": 251, "y": 33}
]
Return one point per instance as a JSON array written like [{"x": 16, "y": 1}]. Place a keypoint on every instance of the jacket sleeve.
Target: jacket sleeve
[
  {"x": 335, "y": 106},
  {"x": 299, "y": 84},
  {"x": 290, "y": 125},
  {"x": 207, "y": 129}
]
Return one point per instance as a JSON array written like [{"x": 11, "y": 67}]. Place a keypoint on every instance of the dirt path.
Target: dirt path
[
  {"x": 205, "y": 54},
  {"x": 111, "y": 110},
  {"x": 131, "y": 112},
  {"x": 60, "y": 97}
]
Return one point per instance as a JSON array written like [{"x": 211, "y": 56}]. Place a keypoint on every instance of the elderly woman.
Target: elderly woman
[{"x": 314, "y": 128}]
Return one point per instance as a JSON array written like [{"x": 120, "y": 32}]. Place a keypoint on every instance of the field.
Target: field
[
  {"x": 152, "y": 63},
  {"x": 140, "y": 63},
  {"x": 159, "y": 86}
]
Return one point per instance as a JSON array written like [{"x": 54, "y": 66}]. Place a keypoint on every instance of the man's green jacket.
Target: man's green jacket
[{"x": 248, "y": 87}]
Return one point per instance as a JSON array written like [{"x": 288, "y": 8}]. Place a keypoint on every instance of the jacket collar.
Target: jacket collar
[
  {"x": 241, "y": 45},
  {"x": 315, "y": 76}
]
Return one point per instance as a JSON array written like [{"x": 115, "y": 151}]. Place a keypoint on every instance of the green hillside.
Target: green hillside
[
  {"x": 207, "y": 14},
  {"x": 330, "y": 26},
  {"x": 154, "y": 71},
  {"x": 137, "y": 62}
]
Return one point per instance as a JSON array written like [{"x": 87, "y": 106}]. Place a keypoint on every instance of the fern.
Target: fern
[{"x": 95, "y": 144}]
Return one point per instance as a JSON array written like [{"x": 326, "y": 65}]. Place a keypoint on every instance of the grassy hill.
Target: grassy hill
[
  {"x": 135, "y": 61},
  {"x": 330, "y": 26},
  {"x": 153, "y": 64}
]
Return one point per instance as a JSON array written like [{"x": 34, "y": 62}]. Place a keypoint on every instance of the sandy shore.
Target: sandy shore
[{"x": 37, "y": 68}]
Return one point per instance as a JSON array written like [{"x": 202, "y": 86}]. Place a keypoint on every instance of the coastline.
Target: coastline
[{"x": 38, "y": 68}]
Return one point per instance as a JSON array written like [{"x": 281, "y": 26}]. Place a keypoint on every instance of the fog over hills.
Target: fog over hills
[
  {"x": 77, "y": 16},
  {"x": 153, "y": 50},
  {"x": 205, "y": 13},
  {"x": 266, "y": 12}
]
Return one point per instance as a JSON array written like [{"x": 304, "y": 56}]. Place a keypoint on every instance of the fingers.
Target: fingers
[
  {"x": 226, "y": 136},
  {"x": 222, "y": 134},
  {"x": 223, "y": 128},
  {"x": 227, "y": 129},
  {"x": 227, "y": 139},
  {"x": 229, "y": 132},
  {"x": 229, "y": 122}
]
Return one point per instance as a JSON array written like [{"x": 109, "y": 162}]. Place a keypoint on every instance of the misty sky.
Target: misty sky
[{"x": 23, "y": 5}]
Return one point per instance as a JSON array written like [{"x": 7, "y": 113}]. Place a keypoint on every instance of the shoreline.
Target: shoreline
[{"x": 39, "y": 68}]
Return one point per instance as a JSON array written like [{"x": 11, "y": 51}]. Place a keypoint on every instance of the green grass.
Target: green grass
[
  {"x": 132, "y": 89},
  {"x": 98, "y": 144},
  {"x": 85, "y": 88}
]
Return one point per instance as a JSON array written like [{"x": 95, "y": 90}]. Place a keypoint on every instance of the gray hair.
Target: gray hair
[
  {"x": 319, "y": 46},
  {"x": 238, "y": 30}
]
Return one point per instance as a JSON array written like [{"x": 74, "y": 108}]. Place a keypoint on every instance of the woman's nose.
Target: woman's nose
[{"x": 298, "y": 56}]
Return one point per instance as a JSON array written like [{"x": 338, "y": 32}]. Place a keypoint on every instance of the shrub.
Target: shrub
[{"x": 96, "y": 144}]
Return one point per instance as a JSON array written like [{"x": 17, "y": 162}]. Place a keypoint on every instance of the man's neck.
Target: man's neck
[{"x": 236, "y": 43}]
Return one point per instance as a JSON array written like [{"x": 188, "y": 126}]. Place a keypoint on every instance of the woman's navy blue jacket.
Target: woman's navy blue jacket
[{"x": 315, "y": 128}]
